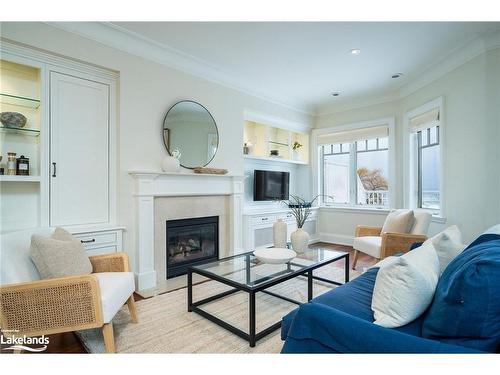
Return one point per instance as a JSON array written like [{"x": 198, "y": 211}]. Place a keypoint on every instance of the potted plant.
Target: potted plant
[
  {"x": 295, "y": 150},
  {"x": 301, "y": 210}
]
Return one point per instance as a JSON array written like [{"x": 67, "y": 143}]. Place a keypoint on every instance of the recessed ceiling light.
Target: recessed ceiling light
[
  {"x": 355, "y": 51},
  {"x": 396, "y": 75},
  {"x": 335, "y": 93}
]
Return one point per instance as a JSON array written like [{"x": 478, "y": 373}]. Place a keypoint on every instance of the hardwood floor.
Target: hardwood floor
[{"x": 69, "y": 343}]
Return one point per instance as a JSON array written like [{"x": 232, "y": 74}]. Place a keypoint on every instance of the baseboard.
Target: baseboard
[
  {"x": 145, "y": 280},
  {"x": 340, "y": 239}
]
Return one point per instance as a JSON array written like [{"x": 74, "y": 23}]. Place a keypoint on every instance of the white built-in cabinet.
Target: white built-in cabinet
[
  {"x": 79, "y": 150},
  {"x": 70, "y": 140}
]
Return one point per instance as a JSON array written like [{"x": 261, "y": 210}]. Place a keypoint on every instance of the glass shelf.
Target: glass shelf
[
  {"x": 20, "y": 131},
  {"x": 279, "y": 143},
  {"x": 20, "y": 101}
]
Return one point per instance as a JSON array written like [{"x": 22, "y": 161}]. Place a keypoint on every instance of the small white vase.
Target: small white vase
[
  {"x": 279, "y": 233},
  {"x": 300, "y": 240},
  {"x": 295, "y": 155},
  {"x": 170, "y": 164}
]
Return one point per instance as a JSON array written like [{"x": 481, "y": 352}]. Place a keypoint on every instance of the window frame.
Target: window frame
[
  {"x": 412, "y": 152},
  {"x": 317, "y": 163}
]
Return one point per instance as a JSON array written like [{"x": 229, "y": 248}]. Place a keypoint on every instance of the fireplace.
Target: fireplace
[{"x": 191, "y": 241}]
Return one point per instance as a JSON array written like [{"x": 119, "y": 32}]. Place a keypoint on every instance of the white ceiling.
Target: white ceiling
[{"x": 302, "y": 63}]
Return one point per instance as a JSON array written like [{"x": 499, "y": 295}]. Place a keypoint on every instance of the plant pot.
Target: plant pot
[
  {"x": 170, "y": 164},
  {"x": 300, "y": 240},
  {"x": 279, "y": 233}
]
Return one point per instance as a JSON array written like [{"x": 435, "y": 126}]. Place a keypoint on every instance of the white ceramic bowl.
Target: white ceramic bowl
[{"x": 275, "y": 255}]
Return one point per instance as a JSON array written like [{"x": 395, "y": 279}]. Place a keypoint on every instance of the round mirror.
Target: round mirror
[{"x": 189, "y": 128}]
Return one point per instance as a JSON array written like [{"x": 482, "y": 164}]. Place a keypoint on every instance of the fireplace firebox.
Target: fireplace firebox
[{"x": 191, "y": 241}]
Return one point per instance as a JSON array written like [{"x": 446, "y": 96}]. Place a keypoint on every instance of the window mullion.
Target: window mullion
[{"x": 353, "y": 181}]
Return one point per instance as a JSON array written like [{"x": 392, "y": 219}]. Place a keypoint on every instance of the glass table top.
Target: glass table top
[{"x": 246, "y": 270}]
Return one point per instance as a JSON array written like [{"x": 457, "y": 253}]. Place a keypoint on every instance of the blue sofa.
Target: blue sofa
[{"x": 341, "y": 320}]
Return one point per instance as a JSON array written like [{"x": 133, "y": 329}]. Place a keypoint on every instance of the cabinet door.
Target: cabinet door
[{"x": 79, "y": 151}]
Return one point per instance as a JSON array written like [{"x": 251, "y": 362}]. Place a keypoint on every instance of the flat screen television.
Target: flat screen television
[{"x": 270, "y": 185}]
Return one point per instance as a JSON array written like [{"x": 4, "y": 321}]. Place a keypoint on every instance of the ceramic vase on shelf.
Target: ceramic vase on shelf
[
  {"x": 170, "y": 163},
  {"x": 279, "y": 233},
  {"x": 295, "y": 155},
  {"x": 300, "y": 240}
]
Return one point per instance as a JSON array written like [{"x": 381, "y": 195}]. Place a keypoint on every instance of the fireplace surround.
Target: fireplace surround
[{"x": 160, "y": 196}]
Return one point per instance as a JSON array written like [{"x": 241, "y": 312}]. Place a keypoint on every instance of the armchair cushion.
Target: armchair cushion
[
  {"x": 116, "y": 288},
  {"x": 398, "y": 221},
  {"x": 59, "y": 255},
  {"x": 466, "y": 307},
  {"x": 370, "y": 245}
]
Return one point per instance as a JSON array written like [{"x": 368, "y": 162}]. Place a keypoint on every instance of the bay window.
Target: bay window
[{"x": 354, "y": 167}]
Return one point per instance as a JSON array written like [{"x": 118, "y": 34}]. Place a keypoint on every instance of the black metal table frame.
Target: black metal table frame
[{"x": 252, "y": 337}]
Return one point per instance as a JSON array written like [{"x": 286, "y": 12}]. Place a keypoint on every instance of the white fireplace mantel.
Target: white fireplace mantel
[{"x": 150, "y": 185}]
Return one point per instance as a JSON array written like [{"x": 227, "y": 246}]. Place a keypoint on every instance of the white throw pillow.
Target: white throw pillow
[
  {"x": 448, "y": 245},
  {"x": 493, "y": 230},
  {"x": 399, "y": 221},
  {"x": 404, "y": 288}
]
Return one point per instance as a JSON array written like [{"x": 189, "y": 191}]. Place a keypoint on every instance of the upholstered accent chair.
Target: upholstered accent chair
[
  {"x": 37, "y": 307},
  {"x": 371, "y": 241}
]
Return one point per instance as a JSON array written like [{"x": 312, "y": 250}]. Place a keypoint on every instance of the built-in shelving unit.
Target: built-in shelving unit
[
  {"x": 263, "y": 139},
  {"x": 21, "y": 195}
]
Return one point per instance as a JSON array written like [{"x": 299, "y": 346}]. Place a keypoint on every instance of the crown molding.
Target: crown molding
[
  {"x": 135, "y": 44},
  {"x": 279, "y": 122}
]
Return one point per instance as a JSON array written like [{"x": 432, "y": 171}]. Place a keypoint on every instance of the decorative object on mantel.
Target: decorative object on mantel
[
  {"x": 274, "y": 153},
  {"x": 275, "y": 255},
  {"x": 13, "y": 119},
  {"x": 301, "y": 210},
  {"x": 279, "y": 233},
  {"x": 171, "y": 163},
  {"x": 295, "y": 151},
  {"x": 205, "y": 170}
]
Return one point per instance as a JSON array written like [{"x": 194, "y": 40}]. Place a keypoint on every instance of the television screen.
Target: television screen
[{"x": 270, "y": 185}]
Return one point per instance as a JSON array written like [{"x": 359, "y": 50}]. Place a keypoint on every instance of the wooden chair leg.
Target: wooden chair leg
[
  {"x": 132, "y": 309},
  {"x": 355, "y": 260},
  {"x": 109, "y": 338}
]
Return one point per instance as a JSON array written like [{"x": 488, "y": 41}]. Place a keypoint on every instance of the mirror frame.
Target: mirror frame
[{"x": 212, "y": 117}]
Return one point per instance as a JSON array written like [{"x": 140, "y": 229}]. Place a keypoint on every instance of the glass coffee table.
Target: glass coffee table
[{"x": 245, "y": 273}]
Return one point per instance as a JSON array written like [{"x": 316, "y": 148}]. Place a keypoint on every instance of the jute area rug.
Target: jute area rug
[{"x": 165, "y": 326}]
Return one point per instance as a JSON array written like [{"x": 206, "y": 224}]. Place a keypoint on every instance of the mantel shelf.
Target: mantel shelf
[{"x": 271, "y": 159}]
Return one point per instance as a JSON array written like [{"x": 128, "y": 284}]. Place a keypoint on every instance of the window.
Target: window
[
  {"x": 428, "y": 168},
  {"x": 354, "y": 166},
  {"x": 425, "y": 157}
]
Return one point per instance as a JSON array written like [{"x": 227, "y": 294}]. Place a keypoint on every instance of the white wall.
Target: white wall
[
  {"x": 472, "y": 138},
  {"x": 146, "y": 91}
]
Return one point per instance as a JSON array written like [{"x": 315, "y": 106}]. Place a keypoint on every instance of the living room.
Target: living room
[{"x": 250, "y": 187}]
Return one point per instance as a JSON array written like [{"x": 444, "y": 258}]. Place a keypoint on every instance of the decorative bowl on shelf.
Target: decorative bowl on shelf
[
  {"x": 275, "y": 255},
  {"x": 13, "y": 119}
]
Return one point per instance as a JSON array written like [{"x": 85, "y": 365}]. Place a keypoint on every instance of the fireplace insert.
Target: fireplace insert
[{"x": 191, "y": 241}]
